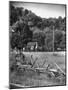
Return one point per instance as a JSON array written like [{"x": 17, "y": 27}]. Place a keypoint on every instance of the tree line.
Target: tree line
[{"x": 26, "y": 26}]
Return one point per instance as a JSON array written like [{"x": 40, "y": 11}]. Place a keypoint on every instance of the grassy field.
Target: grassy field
[{"x": 30, "y": 78}]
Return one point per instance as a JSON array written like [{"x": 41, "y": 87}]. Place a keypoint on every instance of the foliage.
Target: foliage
[
  {"x": 40, "y": 29},
  {"x": 15, "y": 14},
  {"x": 58, "y": 39},
  {"x": 22, "y": 35},
  {"x": 39, "y": 37}
]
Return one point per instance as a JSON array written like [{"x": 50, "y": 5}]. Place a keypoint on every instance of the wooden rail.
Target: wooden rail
[
  {"x": 14, "y": 86},
  {"x": 60, "y": 69}
]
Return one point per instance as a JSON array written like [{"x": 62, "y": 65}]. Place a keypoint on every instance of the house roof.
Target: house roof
[{"x": 31, "y": 44}]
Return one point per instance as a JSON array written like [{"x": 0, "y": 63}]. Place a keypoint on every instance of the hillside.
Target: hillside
[{"x": 40, "y": 29}]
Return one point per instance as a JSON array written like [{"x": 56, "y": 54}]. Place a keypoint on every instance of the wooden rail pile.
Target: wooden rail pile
[{"x": 30, "y": 66}]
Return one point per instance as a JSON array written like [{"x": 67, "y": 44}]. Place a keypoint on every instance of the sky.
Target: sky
[{"x": 43, "y": 10}]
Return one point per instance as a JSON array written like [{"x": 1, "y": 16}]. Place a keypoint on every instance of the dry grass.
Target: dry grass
[{"x": 31, "y": 78}]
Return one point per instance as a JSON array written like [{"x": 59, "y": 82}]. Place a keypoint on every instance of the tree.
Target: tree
[
  {"x": 22, "y": 35},
  {"x": 58, "y": 38},
  {"x": 39, "y": 37},
  {"x": 15, "y": 13},
  {"x": 49, "y": 39}
]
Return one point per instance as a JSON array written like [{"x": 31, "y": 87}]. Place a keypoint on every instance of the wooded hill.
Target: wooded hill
[{"x": 26, "y": 26}]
